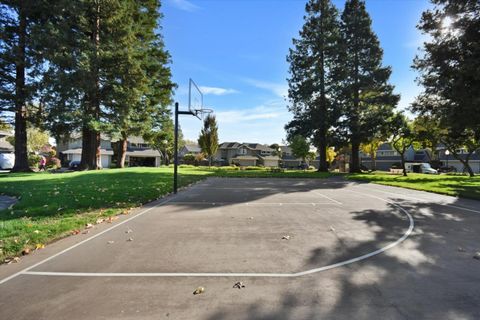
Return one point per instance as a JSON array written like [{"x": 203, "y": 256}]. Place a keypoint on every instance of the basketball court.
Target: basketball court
[{"x": 303, "y": 249}]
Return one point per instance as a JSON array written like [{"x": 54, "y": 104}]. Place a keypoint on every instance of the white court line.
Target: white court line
[
  {"x": 82, "y": 242},
  {"x": 250, "y": 204},
  {"x": 271, "y": 275},
  {"x": 326, "y": 197},
  {"x": 420, "y": 199}
]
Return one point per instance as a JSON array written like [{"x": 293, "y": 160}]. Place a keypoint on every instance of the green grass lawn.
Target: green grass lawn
[
  {"x": 453, "y": 185},
  {"x": 54, "y": 205}
]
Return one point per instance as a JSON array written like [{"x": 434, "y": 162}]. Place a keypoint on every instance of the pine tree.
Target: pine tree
[
  {"x": 208, "y": 139},
  {"x": 20, "y": 62},
  {"x": 312, "y": 83},
  {"x": 140, "y": 87},
  {"x": 449, "y": 69},
  {"x": 367, "y": 97}
]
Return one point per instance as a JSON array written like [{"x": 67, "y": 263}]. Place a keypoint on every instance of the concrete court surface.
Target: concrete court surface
[{"x": 353, "y": 251}]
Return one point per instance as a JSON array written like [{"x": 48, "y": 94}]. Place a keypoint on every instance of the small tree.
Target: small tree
[
  {"x": 208, "y": 139},
  {"x": 402, "y": 136},
  {"x": 300, "y": 147},
  {"x": 371, "y": 149},
  {"x": 331, "y": 154}
]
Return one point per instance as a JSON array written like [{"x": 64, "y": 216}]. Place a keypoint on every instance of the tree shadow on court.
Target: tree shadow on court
[{"x": 431, "y": 275}]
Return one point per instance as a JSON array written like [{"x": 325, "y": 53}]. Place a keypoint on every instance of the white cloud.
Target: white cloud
[
  {"x": 279, "y": 89},
  {"x": 217, "y": 91},
  {"x": 263, "y": 112},
  {"x": 184, "y": 5}
]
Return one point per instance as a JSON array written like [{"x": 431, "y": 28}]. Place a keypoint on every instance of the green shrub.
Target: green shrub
[{"x": 34, "y": 160}]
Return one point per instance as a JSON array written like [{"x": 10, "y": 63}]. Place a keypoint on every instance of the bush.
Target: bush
[
  {"x": 53, "y": 163},
  {"x": 189, "y": 158},
  {"x": 254, "y": 168},
  {"x": 34, "y": 160}
]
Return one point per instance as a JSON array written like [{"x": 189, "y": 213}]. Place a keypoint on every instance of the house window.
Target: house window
[{"x": 242, "y": 151}]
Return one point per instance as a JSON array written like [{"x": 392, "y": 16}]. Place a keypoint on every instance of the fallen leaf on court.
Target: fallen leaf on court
[
  {"x": 12, "y": 260},
  {"x": 460, "y": 249},
  {"x": 39, "y": 246},
  {"x": 199, "y": 290},
  {"x": 25, "y": 251},
  {"x": 332, "y": 229},
  {"x": 76, "y": 231},
  {"x": 129, "y": 231},
  {"x": 286, "y": 238},
  {"x": 239, "y": 285},
  {"x": 111, "y": 219},
  {"x": 251, "y": 218},
  {"x": 111, "y": 242},
  {"x": 89, "y": 225},
  {"x": 130, "y": 239},
  {"x": 86, "y": 231},
  {"x": 99, "y": 221},
  {"x": 477, "y": 255}
]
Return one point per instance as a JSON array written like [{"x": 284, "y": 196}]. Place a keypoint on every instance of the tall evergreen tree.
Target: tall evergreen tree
[
  {"x": 312, "y": 83},
  {"x": 367, "y": 97},
  {"x": 20, "y": 62},
  {"x": 208, "y": 139},
  {"x": 449, "y": 69},
  {"x": 140, "y": 87}
]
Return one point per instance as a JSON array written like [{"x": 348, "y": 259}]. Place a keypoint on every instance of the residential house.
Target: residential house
[
  {"x": 247, "y": 154},
  {"x": 386, "y": 157},
  {"x": 189, "y": 149},
  {"x": 451, "y": 161},
  {"x": 139, "y": 153},
  {"x": 5, "y": 146}
]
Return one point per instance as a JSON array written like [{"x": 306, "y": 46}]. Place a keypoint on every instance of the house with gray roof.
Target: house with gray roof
[
  {"x": 247, "y": 154},
  {"x": 139, "y": 153},
  {"x": 189, "y": 149},
  {"x": 386, "y": 157}
]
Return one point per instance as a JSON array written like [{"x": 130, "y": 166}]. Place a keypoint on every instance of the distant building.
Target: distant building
[
  {"x": 139, "y": 153},
  {"x": 5, "y": 146},
  {"x": 247, "y": 154},
  {"x": 189, "y": 149}
]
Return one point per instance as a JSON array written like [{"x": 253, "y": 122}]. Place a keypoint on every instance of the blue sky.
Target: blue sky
[{"x": 235, "y": 50}]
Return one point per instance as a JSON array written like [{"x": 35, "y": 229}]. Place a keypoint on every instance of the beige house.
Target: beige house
[
  {"x": 246, "y": 154},
  {"x": 139, "y": 153}
]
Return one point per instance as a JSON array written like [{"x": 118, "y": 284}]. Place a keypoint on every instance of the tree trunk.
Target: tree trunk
[
  {"x": 322, "y": 152},
  {"x": 402, "y": 155},
  {"x": 354, "y": 159},
  {"x": 21, "y": 155},
  {"x": 374, "y": 159},
  {"x": 466, "y": 163},
  {"x": 121, "y": 152},
  {"x": 91, "y": 137}
]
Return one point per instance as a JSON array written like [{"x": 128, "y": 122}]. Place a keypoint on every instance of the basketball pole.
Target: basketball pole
[{"x": 175, "y": 146}]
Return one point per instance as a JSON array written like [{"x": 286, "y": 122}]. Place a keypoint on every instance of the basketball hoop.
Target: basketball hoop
[{"x": 199, "y": 113}]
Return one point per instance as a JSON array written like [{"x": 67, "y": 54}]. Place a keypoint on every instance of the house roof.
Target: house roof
[
  {"x": 193, "y": 148},
  {"x": 271, "y": 158},
  {"x": 143, "y": 153},
  {"x": 79, "y": 151},
  {"x": 229, "y": 145},
  {"x": 286, "y": 149},
  {"x": 258, "y": 146},
  {"x": 5, "y": 145},
  {"x": 245, "y": 158}
]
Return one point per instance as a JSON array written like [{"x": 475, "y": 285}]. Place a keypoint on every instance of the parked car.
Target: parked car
[
  {"x": 446, "y": 169},
  {"x": 74, "y": 165},
  {"x": 418, "y": 167},
  {"x": 7, "y": 161}
]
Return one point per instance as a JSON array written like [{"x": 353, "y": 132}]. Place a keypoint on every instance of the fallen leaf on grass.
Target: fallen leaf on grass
[
  {"x": 36, "y": 231},
  {"x": 199, "y": 290}
]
